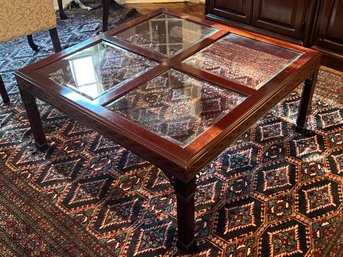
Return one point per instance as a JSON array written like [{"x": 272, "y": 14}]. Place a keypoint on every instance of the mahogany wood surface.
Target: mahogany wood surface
[{"x": 181, "y": 163}]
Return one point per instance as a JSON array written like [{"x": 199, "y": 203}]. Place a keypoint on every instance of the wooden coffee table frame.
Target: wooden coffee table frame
[{"x": 180, "y": 163}]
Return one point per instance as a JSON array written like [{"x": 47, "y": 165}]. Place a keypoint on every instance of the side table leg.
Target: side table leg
[
  {"x": 306, "y": 99},
  {"x": 185, "y": 214},
  {"x": 34, "y": 119},
  {"x": 3, "y": 92},
  {"x": 105, "y": 13},
  {"x": 63, "y": 16}
]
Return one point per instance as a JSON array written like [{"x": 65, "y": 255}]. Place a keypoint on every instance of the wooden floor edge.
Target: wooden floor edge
[{"x": 331, "y": 70}]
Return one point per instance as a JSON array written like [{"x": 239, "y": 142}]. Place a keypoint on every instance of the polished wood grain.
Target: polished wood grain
[
  {"x": 239, "y": 10},
  {"x": 284, "y": 17},
  {"x": 287, "y": 20},
  {"x": 181, "y": 163},
  {"x": 328, "y": 32}
]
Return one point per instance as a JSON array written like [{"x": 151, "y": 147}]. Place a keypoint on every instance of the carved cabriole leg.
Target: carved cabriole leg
[
  {"x": 31, "y": 43},
  {"x": 105, "y": 13},
  {"x": 63, "y": 16},
  {"x": 306, "y": 99},
  {"x": 34, "y": 119},
  {"x": 55, "y": 40},
  {"x": 185, "y": 192},
  {"x": 3, "y": 92}
]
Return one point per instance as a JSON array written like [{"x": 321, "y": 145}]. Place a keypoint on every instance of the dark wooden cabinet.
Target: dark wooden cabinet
[
  {"x": 312, "y": 23},
  {"x": 239, "y": 10},
  {"x": 328, "y": 31},
  {"x": 285, "y": 17}
]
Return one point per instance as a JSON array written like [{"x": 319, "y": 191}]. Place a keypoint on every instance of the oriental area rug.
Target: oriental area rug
[{"x": 273, "y": 192}]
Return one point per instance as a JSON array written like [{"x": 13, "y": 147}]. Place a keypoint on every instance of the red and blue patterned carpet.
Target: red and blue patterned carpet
[{"x": 273, "y": 192}]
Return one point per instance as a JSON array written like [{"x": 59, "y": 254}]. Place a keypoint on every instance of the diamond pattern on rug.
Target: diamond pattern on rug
[
  {"x": 324, "y": 231},
  {"x": 271, "y": 131},
  {"x": 207, "y": 193},
  {"x": 284, "y": 240},
  {"x": 59, "y": 172},
  {"x": 117, "y": 214},
  {"x": 88, "y": 196},
  {"x": 305, "y": 147},
  {"x": 329, "y": 119},
  {"x": 242, "y": 217},
  {"x": 152, "y": 239},
  {"x": 318, "y": 198},
  {"x": 336, "y": 162},
  {"x": 239, "y": 160},
  {"x": 86, "y": 191},
  {"x": 276, "y": 178}
]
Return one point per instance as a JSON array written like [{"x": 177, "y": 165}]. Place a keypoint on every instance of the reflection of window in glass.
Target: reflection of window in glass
[{"x": 85, "y": 77}]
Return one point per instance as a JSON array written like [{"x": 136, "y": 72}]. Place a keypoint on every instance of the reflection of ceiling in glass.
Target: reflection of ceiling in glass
[
  {"x": 166, "y": 34},
  {"x": 177, "y": 106},
  {"x": 97, "y": 69}
]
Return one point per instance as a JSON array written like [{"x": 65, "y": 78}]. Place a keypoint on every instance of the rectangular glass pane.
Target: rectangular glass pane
[
  {"x": 166, "y": 34},
  {"x": 246, "y": 61},
  {"x": 97, "y": 69},
  {"x": 177, "y": 106}
]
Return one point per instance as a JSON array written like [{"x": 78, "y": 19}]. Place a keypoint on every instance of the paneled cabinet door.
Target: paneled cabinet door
[
  {"x": 237, "y": 10},
  {"x": 285, "y": 17},
  {"x": 329, "y": 28}
]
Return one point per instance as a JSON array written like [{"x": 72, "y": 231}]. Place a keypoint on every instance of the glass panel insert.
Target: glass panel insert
[
  {"x": 246, "y": 61},
  {"x": 166, "y": 34},
  {"x": 177, "y": 106},
  {"x": 97, "y": 69}
]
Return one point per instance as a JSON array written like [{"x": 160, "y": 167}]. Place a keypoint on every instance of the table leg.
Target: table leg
[
  {"x": 3, "y": 92},
  {"x": 34, "y": 119},
  {"x": 185, "y": 192},
  {"x": 306, "y": 99},
  {"x": 105, "y": 13},
  {"x": 63, "y": 16}
]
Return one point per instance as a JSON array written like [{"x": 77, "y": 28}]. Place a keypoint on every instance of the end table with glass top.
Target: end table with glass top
[{"x": 174, "y": 89}]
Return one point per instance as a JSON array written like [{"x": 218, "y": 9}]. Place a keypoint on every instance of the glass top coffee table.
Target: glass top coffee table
[{"x": 174, "y": 89}]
